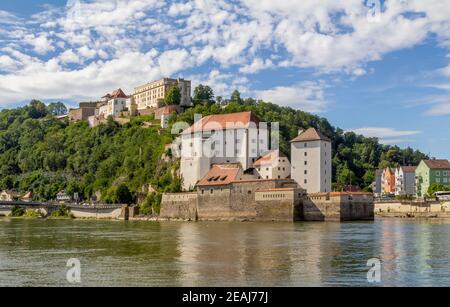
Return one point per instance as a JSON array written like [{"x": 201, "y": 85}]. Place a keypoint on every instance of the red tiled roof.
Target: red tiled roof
[
  {"x": 222, "y": 121},
  {"x": 221, "y": 174},
  {"x": 118, "y": 94},
  {"x": 269, "y": 157},
  {"x": 311, "y": 135},
  {"x": 169, "y": 110},
  {"x": 408, "y": 169},
  {"x": 437, "y": 164}
]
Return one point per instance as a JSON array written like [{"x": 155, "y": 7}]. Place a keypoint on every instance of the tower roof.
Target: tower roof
[{"x": 311, "y": 135}]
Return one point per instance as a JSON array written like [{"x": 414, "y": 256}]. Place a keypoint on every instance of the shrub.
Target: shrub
[
  {"x": 17, "y": 211},
  {"x": 62, "y": 211}
]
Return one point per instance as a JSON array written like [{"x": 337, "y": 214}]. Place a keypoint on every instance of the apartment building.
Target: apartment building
[
  {"x": 429, "y": 172},
  {"x": 405, "y": 181}
]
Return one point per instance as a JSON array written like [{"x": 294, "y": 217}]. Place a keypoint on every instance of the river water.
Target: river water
[{"x": 113, "y": 253}]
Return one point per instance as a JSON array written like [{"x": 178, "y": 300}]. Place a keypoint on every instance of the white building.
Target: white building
[
  {"x": 220, "y": 139},
  {"x": 114, "y": 104},
  {"x": 405, "y": 181},
  {"x": 311, "y": 161},
  {"x": 273, "y": 165},
  {"x": 152, "y": 94}
]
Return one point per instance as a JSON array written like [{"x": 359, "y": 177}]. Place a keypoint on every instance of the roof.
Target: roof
[
  {"x": 408, "y": 169},
  {"x": 311, "y": 135},
  {"x": 118, "y": 94},
  {"x": 437, "y": 164},
  {"x": 269, "y": 158},
  {"x": 223, "y": 121},
  {"x": 221, "y": 174},
  {"x": 169, "y": 110},
  {"x": 28, "y": 195}
]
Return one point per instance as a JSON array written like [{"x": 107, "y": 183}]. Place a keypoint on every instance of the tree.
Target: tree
[
  {"x": 173, "y": 96},
  {"x": 436, "y": 187},
  {"x": 56, "y": 109},
  {"x": 37, "y": 109},
  {"x": 203, "y": 94},
  {"x": 236, "y": 97},
  {"x": 123, "y": 195}
]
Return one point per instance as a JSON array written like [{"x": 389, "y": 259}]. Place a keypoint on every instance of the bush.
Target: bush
[
  {"x": 33, "y": 213},
  {"x": 62, "y": 211},
  {"x": 152, "y": 204},
  {"x": 17, "y": 211}
]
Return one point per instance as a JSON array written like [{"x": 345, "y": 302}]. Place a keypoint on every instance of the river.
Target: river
[{"x": 113, "y": 253}]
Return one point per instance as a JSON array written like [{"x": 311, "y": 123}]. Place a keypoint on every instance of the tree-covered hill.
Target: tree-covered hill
[{"x": 42, "y": 154}]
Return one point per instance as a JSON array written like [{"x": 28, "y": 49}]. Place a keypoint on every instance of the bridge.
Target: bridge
[{"x": 78, "y": 211}]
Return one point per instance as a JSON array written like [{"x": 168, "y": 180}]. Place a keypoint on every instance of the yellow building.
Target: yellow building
[{"x": 151, "y": 95}]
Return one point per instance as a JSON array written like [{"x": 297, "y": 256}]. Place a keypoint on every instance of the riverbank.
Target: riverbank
[{"x": 396, "y": 209}]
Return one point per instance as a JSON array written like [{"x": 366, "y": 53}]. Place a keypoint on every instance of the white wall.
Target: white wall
[
  {"x": 231, "y": 146},
  {"x": 318, "y": 168}
]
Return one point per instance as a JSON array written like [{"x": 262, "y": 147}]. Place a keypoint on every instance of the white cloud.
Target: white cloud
[
  {"x": 386, "y": 135},
  {"x": 245, "y": 35},
  {"x": 7, "y": 63},
  {"x": 307, "y": 96}
]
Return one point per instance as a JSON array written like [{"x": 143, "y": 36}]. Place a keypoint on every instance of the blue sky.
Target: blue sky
[{"x": 383, "y": 73}]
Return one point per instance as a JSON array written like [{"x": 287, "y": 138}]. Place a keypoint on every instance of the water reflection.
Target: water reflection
[{"x": 413, "y": 253}]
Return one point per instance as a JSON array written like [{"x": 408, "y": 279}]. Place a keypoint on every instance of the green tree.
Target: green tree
[
  {"x": 56, "y": 109},
  {"x": 437, "y": 187},
  {"x": 203, "y": 94},
  {"x": 236, "y": 97},
  {"x": 37, "y": 109},
  {"x": 123, "y": 195},
  {"x": 173, "y": 96}
]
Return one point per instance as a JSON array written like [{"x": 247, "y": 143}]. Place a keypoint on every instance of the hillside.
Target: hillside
[{"x": 42, "y": 154}]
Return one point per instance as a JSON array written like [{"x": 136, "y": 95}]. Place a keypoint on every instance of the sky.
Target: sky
[{"x": 379, "y": 68}]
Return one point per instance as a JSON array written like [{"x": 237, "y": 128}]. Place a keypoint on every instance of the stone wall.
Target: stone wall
[
  {"x": 179, "y": 206},
  {"x": 337, "y": 207},
  {"x": 278, "y": 205}
]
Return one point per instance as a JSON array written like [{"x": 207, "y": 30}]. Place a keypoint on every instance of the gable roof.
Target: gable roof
[
  {"x": 118, "y": 94},
  {"x": 269, "y": 158},
  {"x": 437, "y": 164},
  {"x": 311, "y": 135},
  {"x": 221, "y": 174},
  {"x": 240, "y": 120},
  {"x": 408, "y": 169}
]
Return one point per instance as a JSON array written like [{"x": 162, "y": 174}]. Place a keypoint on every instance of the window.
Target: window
[
  {"x": 306, "y": 145},
  {"x": 438, "y": 180},
  {"x": 438, "y": 173},
  {"x": 306, "y": 172},
  {"x": 306, "y": 181},
  {"x": 306, "y": 154},
  {"x": 306, "y": 162}
]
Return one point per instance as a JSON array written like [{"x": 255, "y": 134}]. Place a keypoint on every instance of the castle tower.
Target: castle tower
[{"x": 311, "y": 155}]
